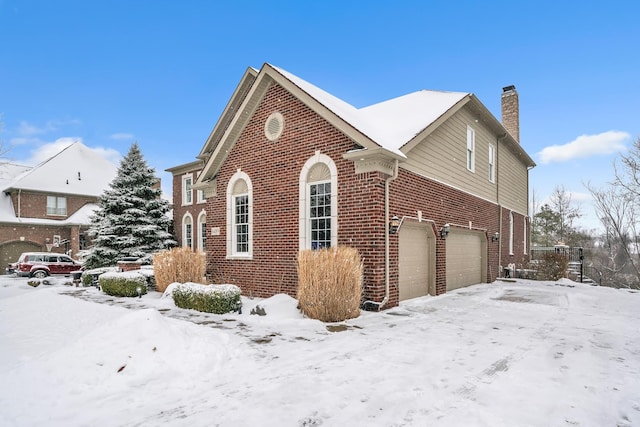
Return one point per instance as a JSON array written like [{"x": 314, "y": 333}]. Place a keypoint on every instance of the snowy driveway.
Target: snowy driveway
[{"x": 503, "y": 354}]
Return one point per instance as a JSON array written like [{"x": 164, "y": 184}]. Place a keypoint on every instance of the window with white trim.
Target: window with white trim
[
  {"x": 492, "y": 163},
  {"x": 187, "y": 230},
  {"x": 240, "y": 216},
  {"x": 318, "y": 203},
  {"x": 56, "y": 205},
  {"x": 510, "y": 233},
  {"x": 471, "y": 149},
  {"x": 187, "y": 191},
  {"x": 202, "y": 231},
  {"x": 524, "y": 233}
]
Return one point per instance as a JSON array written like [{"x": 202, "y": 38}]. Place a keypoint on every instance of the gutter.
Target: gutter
[
  {"x": 501, "y": 137},
  {"x": 387, "y": 256}
]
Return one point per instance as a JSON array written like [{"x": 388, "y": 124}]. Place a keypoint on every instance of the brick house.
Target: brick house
[
  {"x": 189, "y": 213},
  {"x": 430, "y": 187},
  {"x": 47, "y": 207}
]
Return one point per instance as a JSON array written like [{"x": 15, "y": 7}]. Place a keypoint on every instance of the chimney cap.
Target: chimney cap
[{"x": 508, "y": 88}]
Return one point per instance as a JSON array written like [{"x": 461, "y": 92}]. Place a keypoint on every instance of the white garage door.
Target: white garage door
[
  {"x": 415, "y": 264},
  {"x": 465, "y": 258}
]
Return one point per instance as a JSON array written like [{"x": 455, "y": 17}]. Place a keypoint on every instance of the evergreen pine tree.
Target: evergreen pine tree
[{"x": 132, "y": 220}]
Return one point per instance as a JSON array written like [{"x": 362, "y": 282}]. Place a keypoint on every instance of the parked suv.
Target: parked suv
[{"x": 42, "y": 264}]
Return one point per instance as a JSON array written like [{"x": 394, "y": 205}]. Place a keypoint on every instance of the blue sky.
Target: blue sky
[{"x": 109, "y": 73}]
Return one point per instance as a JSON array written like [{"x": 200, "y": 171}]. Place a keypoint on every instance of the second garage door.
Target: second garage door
[{"x": 466, "y": 258}]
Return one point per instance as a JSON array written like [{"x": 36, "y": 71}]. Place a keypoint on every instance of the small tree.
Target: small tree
[{"x": 132, "y": 220}]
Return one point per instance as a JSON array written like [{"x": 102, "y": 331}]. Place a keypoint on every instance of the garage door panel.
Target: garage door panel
[
  {"x": 464, "y": 259},
  {"x": 414, "y": 264}
]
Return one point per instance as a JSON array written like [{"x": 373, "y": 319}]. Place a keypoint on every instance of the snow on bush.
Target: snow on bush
[
  {"x": 123, "y": 284},
  {"x": 218, "y": 299}
]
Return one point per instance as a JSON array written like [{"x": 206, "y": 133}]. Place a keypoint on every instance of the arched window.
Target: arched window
[
  {"x": 318, "y": 202},
  {"x": 187, "y": 230},
  {"x": 240, "y": 216},
  {"x": 202, "y": 231}
]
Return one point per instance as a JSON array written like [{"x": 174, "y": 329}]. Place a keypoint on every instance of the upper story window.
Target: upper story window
[
  {"x": 471, "y": 149},
  {"x": 187, "y": 191},
  {"x": 318, "y": 203},
  {"x": 492, "y": 163},
  {"x": 240, "y": 216},
  {"x": 56, "y": 205}
]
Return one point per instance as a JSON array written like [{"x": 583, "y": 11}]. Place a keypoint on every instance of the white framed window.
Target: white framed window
[
  {"x": 471, "y": 149},
  {"x": 187, "y": 191},
  {"x": 492, "y": 163},
  {"x": 187, "y": 230},
  {"x": 202, "y": 231},
  {"x": 200, "y": 198},
  {"x": 240, "y": 216},
  {"x": 56, "y": 205},
  {"x": 524, "y": 233},
  {"x": 510, "y": 233},
  {"x": 318, "y": 203}
]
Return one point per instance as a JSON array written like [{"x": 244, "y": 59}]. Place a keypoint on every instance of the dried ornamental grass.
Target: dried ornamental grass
[
  {"x": 180, "y": 265},
  {"x": 330, "y": 283}
]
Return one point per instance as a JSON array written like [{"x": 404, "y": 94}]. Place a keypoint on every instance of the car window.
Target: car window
[
  {"x": 65, "y": 259},
  {"x": 52, "y": 258}
]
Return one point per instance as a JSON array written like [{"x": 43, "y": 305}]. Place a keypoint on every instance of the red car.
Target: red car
[{"x": 43, "y": 264}]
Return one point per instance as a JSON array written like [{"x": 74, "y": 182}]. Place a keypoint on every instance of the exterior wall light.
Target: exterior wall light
[
  {"x": 495, "y": 237},
  {"x": 394, "y": 224},
  {"x": 444, "y": 231}
]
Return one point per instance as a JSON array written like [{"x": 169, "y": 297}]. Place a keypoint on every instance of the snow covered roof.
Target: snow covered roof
[
  {"x": 75, "y": 170},
  {"x": 391, "y": 124}
]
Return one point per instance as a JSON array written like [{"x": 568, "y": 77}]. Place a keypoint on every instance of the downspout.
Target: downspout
[
  {"x": 19, "y": 209},
  {"x": 501, "y": 137},
  {"x": 387, "y": 256}
]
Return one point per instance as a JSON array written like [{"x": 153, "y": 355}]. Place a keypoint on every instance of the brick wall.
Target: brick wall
[
  {"x": 34, "y": 204},
  {"x": 38, "y": 234}
]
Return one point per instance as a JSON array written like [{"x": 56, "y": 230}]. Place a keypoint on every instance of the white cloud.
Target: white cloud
[
  {"x": 585, "y": 146},
  {"x": 26, "y": 129},
  {"x": 121, "y": 136}
]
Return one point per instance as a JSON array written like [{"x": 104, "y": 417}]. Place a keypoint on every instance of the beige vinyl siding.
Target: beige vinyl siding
[
  {"x": 513, "y": 178},
  {"x": 442, "y": 156}
]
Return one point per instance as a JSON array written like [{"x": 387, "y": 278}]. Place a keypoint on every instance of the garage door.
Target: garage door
[
  {"x": 9, "y": 252},
  {"x": 466, "y": 254},
  {"x": 416, "y": 254}
]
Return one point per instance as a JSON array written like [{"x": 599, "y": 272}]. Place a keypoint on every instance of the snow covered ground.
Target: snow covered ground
[{"x": 502, "y": 354}]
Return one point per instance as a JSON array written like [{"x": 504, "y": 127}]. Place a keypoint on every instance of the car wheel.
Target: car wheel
[{"x": 39, "y": 274}]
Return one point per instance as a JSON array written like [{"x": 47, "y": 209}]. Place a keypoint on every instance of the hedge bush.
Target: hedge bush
[
  {"x": 123, "y": 284},
  {"x": 181, "y": 265},
  {"x": 218, "y": 299},
  {"x": 330, "y": 283},
  {"x": 553, "y": 266},
  {"x": 33, "y": 282},
  {"x": 89, "y": 275}
]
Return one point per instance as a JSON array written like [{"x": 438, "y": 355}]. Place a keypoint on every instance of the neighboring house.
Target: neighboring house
[
  {"x": 47, "y": 207},
  {"x": 429, "y": 187},
  {"x": 189, "y": 213}
]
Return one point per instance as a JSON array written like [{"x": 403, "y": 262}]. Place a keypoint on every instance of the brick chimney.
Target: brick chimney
[{"x": 511, "y": 111}]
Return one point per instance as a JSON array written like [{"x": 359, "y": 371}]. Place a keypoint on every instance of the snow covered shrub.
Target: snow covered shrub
[
  {"x": 123, "y": 284},
  {"x": 180, "y": 265},
  {"x": 553, "y": 266},
  {"x": 33, "y": 282},
  {"x": 88, "y": 276},
  {"x": 330, "y": 283},
  {"x": 218, "y": 299}
]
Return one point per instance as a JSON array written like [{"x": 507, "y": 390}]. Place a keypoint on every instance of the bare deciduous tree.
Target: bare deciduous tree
[{"x": 618, "y": 207}]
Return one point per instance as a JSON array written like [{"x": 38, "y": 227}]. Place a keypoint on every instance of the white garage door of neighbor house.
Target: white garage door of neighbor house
[
  {"x": 415, "y": 260},
  {"x": 464, "y": 258}
]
